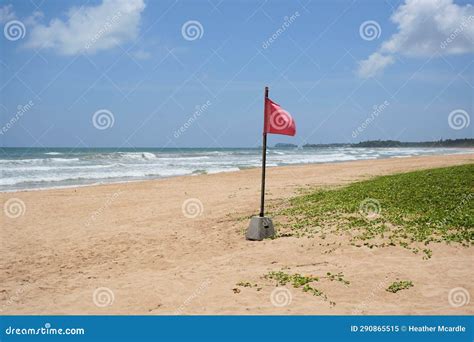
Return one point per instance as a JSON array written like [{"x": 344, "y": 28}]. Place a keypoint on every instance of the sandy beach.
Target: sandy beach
[{"x": 132, "y": 248}]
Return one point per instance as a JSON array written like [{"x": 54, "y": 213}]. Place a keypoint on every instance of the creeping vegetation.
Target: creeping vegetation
[
  {"x": 410, "y": 210},
  {"x": 305, "y": 282},
  {"x": 246, "y": 284},
  {"x": 399, "y": 285}
]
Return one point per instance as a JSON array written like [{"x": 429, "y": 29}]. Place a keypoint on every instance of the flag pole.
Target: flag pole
[
  {"x": 264, "y": 155},
  {"x": 261, "y": 227}
]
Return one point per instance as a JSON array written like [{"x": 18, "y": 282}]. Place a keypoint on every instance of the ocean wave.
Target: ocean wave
[
  {"x": 177, "y": 157},
  {"x": 36, "y": 169},
  {"x": 319, "y": 159},
  {"x": 57, "y": 168},
  {"x": 222, "y": 169},
  {"x": 138, "y": 155},
  {"x": 37, "y": 161},
  {"x": 72, "y": 177}
]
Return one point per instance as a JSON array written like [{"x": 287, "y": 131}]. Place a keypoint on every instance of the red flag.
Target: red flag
[{"x": 278, "y": 120}]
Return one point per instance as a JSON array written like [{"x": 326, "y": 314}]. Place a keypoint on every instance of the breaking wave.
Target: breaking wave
[{"x": 26, "y": 169}]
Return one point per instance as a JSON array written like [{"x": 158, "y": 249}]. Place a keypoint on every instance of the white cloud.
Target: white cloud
[
  {"x": 372, "y": 65},
  {"x": 34, "y": 18},
  {"x": 89, "y": 28},
  {"x": 425, "y": 28},
  {"x": 6, "y": 14}
]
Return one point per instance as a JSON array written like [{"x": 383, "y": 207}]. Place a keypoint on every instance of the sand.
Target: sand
[{"x": 129, "y": 249}]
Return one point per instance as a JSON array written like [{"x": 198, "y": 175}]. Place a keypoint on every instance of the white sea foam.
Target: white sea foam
[
  {"x": 30, "y": 170},
  {"x": 38, "y": 161},
  {"x": 137, "y": 155}
]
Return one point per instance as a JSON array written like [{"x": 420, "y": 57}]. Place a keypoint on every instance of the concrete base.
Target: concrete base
[{"x": 260, "y": 228}]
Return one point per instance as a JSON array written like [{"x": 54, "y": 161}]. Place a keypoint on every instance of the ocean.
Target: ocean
[{"x": 35, "y": 168}]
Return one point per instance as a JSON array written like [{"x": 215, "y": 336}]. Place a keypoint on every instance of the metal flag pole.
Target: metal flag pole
[
  {"x": 261, "y": 227},
  {"x": 264, "y": 155}
]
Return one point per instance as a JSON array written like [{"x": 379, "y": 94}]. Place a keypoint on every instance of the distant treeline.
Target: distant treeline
[
  {"x": 439, "y": 143},
  {"x": 395, "y": 143}
]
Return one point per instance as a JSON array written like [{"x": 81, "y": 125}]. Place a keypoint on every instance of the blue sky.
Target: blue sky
[{"x": 133, "y": 61}]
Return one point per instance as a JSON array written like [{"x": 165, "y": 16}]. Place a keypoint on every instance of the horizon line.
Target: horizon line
[{"x": 227, "y": 147}]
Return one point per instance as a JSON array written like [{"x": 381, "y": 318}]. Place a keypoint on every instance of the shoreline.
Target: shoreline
[
  {"x": 157, "y": 256},
  {"x": 73, "y": 186}
]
